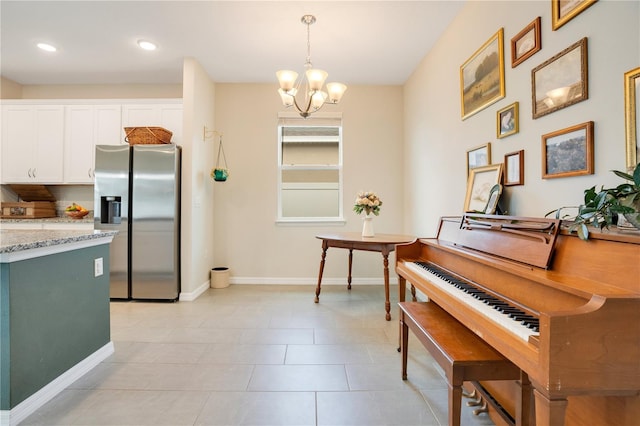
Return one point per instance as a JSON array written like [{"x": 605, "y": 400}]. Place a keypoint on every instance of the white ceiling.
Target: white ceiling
[{"x": 357, "y": 42}]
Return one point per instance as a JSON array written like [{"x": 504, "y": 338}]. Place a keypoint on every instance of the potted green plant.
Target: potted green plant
[{"x": 602, "y": 208}]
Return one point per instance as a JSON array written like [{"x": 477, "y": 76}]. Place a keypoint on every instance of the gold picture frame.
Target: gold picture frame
[
  {"x": 568, "y": 152},
  {"x": 479, "y": 185},
  {"x": 514, "y": 168},
  {"x": 562, "y": 11},
  {"x": 526, "y": 43},
  {"x": 508, "y": 121},
  {"x": 632, "y": 116},
  {"x": 478, "y": 157},
  {"x": 560, "y": 81},
  {"x": 482, "y": 76}
]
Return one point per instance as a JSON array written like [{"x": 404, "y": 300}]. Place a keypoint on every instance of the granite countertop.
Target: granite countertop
[
  {"x": 12, "y": 241},
  {"x": 58, "y": 219}
]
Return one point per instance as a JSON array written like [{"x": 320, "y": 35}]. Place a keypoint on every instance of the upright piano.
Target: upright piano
[{"x": 564, "y": 310}]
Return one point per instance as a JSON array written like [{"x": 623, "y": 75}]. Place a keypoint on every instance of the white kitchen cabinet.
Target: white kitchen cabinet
[
  {"x": 32, "y": 143},
  {"x": 164, "y": 115},
  {"x": 85, "y": 127}
]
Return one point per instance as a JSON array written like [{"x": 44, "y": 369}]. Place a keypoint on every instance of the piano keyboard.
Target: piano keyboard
[{"x": 513, "y": 319}]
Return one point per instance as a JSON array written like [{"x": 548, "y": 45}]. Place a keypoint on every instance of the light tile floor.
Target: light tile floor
[{"x": 257, "y": 355}]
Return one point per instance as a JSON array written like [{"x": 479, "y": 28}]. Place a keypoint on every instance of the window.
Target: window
[{"x": 310, "y": 169}]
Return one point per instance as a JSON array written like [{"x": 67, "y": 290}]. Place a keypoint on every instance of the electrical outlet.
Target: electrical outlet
[{"x": 97, "y": 267}]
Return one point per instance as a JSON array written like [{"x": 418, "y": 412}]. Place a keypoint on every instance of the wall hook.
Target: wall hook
[{"x": 209, "y": 134}]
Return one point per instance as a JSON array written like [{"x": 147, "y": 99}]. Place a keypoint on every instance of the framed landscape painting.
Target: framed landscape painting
[
  {"x": 482, "y": 76},
  {"x": 568, "y": 152},
  {"x": 560, "y": 81}
]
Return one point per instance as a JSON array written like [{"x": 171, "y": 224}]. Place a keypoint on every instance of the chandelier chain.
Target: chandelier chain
[{"x": 308, "y": 63}]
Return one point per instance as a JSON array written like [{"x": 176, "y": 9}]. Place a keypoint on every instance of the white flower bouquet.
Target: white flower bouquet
[{"x": 367, "y": 202}]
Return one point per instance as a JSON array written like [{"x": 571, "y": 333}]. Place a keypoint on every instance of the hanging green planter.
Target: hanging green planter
[{"x": 220, "y": 174}]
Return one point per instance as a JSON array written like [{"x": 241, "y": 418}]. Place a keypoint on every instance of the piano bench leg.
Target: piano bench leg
[
  {"x": 455, "y": 404},
  {"x": 404, "y": 346}
]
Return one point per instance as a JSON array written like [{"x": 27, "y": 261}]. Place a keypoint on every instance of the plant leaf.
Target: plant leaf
[
  {"x": 583, "y": 232},
  {"x": 623, "y": 175}
]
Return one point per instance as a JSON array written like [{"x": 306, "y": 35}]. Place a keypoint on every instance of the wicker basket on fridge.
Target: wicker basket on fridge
[{"x": 147, "y": 135}]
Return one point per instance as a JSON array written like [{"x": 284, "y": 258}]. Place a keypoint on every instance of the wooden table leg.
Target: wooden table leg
[
  {"x": 387, "y": 304},
  {"x": 350, "y": 262},
  {"x": 325, "y": 246}
]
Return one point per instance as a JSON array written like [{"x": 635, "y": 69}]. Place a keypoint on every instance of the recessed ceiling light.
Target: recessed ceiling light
[
  {"x": 146, "y": 45},
  {"x": 47, "y": 47}
]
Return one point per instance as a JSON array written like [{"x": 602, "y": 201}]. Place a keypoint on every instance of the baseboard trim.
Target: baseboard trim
[
  {"x": 193, "y": 295},
  {"x": 309, "y": 281},
  {"x": 57, "y": 385}
]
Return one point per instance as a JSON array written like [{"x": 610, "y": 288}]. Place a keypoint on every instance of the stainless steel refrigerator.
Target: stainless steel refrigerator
[{"x": 137, "y": 193}]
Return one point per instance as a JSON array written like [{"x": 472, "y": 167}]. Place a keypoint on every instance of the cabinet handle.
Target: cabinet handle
[
  {"x": 29, "y": 172},
  {"x": 89, "y": 172},
  {"x": 34, "y": 173}
]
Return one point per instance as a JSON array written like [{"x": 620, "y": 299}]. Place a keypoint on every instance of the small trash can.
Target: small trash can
[{"x": 219, "y": 277}]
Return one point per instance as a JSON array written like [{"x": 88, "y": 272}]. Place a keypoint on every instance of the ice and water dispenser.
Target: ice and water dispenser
[{"x": 110, "y": 208}]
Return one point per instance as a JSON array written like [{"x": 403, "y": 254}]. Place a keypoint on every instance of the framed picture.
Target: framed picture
[
  {"x": 562, "y": 11},
  {"x": 632, "y": 116},
  {"x": 560, "y": 81},
  {"x": 478, "y": 157},
  {"x": 507, "y": 120},
  {"x": 482, "y": 76},
  {"x": 494, "y": 197},
  {"x": 479, "y": 185},
  {"x": 568, "y": 152},
  {"x": 514, "y": 168},
  {"x": 526, "y": 43}
]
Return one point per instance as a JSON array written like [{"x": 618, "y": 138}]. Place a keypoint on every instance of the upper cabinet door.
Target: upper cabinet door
[
  {"x": 168, "y": 116},
  {"x": 32, "y": 143},
  {"x": 17, "y": 143},
  {"x": 49, "y": 150},
  {"x": 85, "y": 127}
]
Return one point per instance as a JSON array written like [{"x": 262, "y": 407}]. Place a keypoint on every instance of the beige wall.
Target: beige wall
[
  {"x": 198, "y": 211},
  {"x": 248, "y": 239},
  {"x": 9, "y": 89},
  {"x": 436, "y": 139}
]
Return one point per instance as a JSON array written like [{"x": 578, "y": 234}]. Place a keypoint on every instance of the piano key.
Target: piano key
[{"x": 471, "y": 296}]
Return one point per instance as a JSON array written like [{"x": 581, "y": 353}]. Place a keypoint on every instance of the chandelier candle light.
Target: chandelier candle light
[
  {"x": 369, "y": 203},
  {"x": 315, "y": 97}
]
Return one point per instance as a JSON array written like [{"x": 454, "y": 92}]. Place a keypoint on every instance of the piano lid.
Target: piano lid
[{"x": 520, "y": 239}]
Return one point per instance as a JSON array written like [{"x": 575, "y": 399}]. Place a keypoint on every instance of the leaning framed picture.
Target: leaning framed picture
[
  {"x": 478, "y": 157},
  {"x": 507, "y": 120},
  {"x": 479, "y": 185},
  {"x": 514, "y": 168},
  {"x": 568, "y": 152},
  {"x": 482, "y": 76},
  {"x": 526, "y": 43},
  {"x": 560, "y": 81},
  {"x": 562, "y": 11}
]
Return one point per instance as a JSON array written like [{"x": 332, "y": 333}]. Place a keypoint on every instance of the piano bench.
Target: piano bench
[{"x": 460, "y": 353}]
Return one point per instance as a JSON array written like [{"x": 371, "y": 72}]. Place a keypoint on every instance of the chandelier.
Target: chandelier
[{"x": 314, "y": 97}]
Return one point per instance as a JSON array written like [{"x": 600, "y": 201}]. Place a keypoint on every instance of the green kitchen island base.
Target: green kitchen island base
[{"x": 54, "y": 314}]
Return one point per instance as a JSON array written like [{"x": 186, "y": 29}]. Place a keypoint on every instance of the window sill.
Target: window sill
[{"x": 301, "y": 221}]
